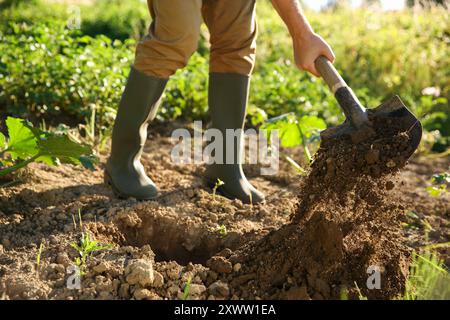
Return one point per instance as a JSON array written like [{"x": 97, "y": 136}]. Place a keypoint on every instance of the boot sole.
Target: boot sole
[{"x": 108, "y": 181}]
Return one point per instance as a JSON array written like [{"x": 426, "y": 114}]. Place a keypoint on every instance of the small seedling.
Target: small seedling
[
  {"x": 187, "y": 289},
  {"x": 38, "y": 258},
  {"x": 218, "y": 184},
  {"x": 86, "y": 246},
  {"x": 222, "y": 230}
]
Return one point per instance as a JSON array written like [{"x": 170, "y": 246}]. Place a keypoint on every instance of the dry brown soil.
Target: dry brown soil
[{"x": 229, "y": 250}]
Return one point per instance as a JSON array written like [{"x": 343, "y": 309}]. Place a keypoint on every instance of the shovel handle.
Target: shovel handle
[
  {"x": 329, "y": 73},
  {"x": 353, "y": 109}
]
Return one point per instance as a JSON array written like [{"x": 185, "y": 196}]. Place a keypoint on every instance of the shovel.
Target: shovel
[{"x": 357, "y": 124}]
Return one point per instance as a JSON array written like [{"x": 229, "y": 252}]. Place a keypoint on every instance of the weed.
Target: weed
[
  {"x": 218, "y": 184},
  {"x": 39, "y": 254},
  {"x": 86, "y": 246},
  {"x": 428, "y": 279},
  {"x": 222, "y": 230},
  {"x": 439, "y": 185},
  {"x": 187, "y": 289}
]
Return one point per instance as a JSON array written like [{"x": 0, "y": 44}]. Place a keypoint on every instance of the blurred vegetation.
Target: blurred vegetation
[{"x": 48, "y": 71}]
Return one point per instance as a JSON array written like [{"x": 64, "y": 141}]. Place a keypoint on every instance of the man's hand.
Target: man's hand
[{"x": 308, "y": 48}]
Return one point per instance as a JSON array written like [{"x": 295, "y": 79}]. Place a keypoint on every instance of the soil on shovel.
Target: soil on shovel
[
  {"x": 346, "y": 227},
  {"x": 314, "y": 235}
]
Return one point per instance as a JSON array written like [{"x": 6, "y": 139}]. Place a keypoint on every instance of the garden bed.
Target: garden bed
[{"x": 186, "y": 235}]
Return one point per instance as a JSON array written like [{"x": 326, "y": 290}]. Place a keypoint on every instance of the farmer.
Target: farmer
[{"x": 173, "y": 37}]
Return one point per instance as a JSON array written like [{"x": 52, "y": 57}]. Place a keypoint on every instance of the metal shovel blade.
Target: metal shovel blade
[{"x": 393, "y": 110}]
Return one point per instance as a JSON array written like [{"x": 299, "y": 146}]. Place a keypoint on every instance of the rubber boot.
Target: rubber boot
[
  {"x": 228, "y": 95},
  {"x": 124, "y": 171}
]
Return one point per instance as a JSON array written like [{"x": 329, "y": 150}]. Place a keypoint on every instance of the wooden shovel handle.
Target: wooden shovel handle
[{"x": 330, "y": 74}]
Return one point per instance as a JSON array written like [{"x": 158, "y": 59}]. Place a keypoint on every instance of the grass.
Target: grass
[
  {"x": 428, "y": 279},
  {"x": 39, "y": 254},
  {"x": 187, "y": 289}
]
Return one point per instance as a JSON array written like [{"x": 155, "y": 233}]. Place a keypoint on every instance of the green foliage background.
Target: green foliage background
[{"x": 50, "y": 72}]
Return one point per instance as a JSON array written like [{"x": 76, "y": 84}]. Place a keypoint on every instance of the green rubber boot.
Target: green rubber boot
[
  {"x": 124, "y": 171},
  {"x": 228, "y": 95}
]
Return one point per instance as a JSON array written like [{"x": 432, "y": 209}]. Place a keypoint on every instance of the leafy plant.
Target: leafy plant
[
  {"x": 222, "y": 230},
  {"x": 27, "y": 144},
  {"x": 295, "y": 131},
  {"x": 439, "y": 187},
  {"x": 86, "y": 246}
]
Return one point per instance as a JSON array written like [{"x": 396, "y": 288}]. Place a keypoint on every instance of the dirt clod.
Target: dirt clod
[{"x": 140, "y": 272}]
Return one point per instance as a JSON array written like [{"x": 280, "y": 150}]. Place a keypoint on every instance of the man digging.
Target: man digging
[{"x": 173, "y": 37}]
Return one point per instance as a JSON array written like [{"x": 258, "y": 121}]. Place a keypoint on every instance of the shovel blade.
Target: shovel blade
[{"x": 393, "y": 110}]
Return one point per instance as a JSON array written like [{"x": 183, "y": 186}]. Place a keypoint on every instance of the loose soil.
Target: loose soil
[{"x": 309, "y": 241}]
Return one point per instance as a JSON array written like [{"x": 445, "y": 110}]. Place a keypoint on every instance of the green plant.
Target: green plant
[
  {"x": 27, "y": 144},
  {"x": 439, "y": 187},
  {"x": 428, "y": 279},
  {"x": 187, "y": 289},
  {"x": 85, "y": 247},
  {"x": 295, "y": 131},
  {"x": 50, "y": 72},
  {"x": 39, "y": 254},
  {"x": 218, "y": 184},
  {"x": 222, "y": 230}
]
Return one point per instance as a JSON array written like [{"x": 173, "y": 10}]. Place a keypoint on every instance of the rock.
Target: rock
[
  {"x": 220, "y": 264},
  {"x": 100, "y": 268},
  {"x": 296, "y": 293},
  {"x": 238, "y": 281},
  {"x": 145, "y": 294},
  {"x": 140, "y": 272},
  {"x": 226, "y": 253},
  {"x": 173, "y": 290},
  {"x": 174, "y": 271},
  {"x": 237, "y": 267},
  {"x": 158, "y": 279},
  {"x": 197, "y": 289},
  {"x": 219, "y": 289}
]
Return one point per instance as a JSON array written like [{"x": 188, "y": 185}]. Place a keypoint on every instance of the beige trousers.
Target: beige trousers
[{"x": 175, "y": 30}]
